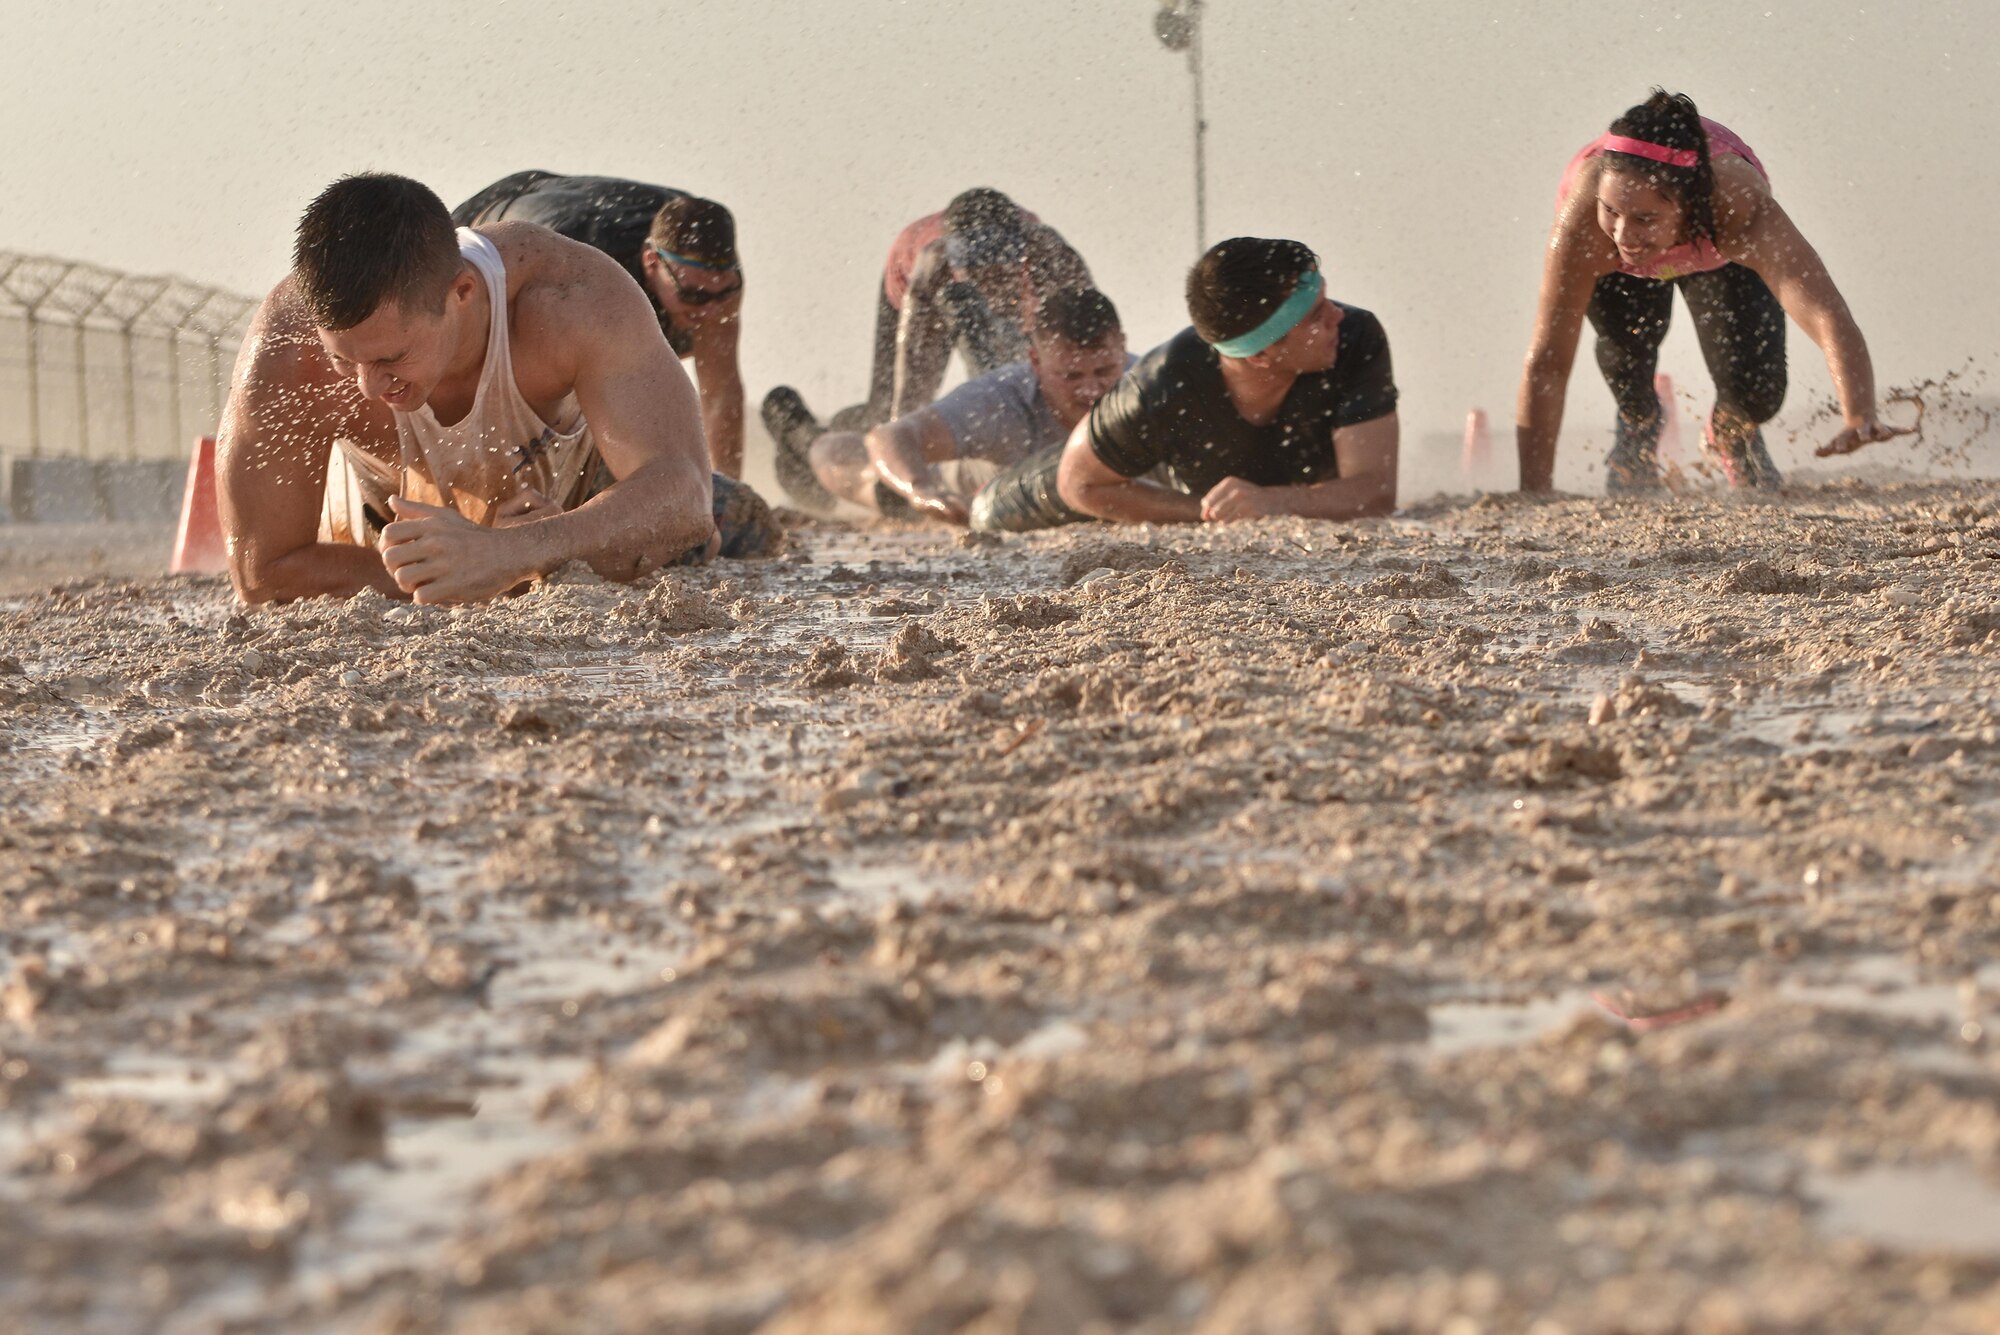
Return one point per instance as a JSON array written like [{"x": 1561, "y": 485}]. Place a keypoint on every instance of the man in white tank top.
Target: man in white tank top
[{"x": 445, "y": 415}]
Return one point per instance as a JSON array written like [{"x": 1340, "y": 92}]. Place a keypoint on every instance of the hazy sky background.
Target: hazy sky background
[{"x": 1416, "y": 145}]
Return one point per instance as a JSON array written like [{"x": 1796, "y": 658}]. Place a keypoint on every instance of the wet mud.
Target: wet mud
[{"x": 1571, "y": 916}]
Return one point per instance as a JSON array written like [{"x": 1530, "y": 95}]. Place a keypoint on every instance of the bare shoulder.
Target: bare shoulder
[
  {"x": 1741, "y": 194},
  {"x": 1578, "y": 247},
  {"x": 1577, "y": 209},
  {"x": 281, "y": 332},
  {"x": 555, "y": 284},
  {"x": 286, "y": 400},
  {"x": 573, "y": 314},
  {"x": 545, "y": 267},
  {"x": 281, "y": 349}
]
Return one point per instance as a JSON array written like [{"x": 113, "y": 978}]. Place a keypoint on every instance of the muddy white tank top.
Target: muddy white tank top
[{"x": 502, "y": 445}]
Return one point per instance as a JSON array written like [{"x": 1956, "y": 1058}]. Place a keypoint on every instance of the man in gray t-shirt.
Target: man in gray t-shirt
[{"x": 934, "y": 459}]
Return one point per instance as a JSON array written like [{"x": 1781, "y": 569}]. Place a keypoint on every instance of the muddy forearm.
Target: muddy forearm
[
  {"x": 1365, "y": 497},
  {"x": 324, "y": 569},
  {"x": 722, "y": 420},
  {"x": 1848, "y": 362},
  {"x": 649, "y": 519},
  {"x": 1538, "y": 421},
  {"x": 898, "y": 454},
  {"x": 1134, "y": 501},
  {"x": 923, "y": 347},
  {"x": 719, "y": 378}
]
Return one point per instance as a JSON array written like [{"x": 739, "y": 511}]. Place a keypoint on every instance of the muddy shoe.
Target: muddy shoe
[
  {"x": 1633, "y": 466},
  {"x": 1763, "y": 471},
  {"x": 793, "y": 429},
  {"x": 1745, "y": 460},
  {"x": 744, "y": 519}
]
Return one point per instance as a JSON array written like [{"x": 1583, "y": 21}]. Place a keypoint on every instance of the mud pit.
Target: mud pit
[{"x": 1215, "y": 930}]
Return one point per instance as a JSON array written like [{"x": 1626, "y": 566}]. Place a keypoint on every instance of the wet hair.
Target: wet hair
[
  {"x": 1671, "y": 121},
  {"x": 700, "y": 229},
  {"x": 373, "y": 238},
  {"x": 981, "y": 209},
  {"x": 1083, "y": 316},
  {"x": 1235, "y": 286}
]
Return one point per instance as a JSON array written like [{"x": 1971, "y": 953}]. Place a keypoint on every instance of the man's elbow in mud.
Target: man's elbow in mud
[
  {"x": 263, "y": 574},
  {"x": 678, "y": 525},
  {"x": 254, "y": 581},
  {"x": 1379, "y": 502}
]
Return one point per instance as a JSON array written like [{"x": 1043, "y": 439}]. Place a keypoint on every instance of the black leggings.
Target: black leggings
[
  {"x": 1024, "y": 497},
  {"x": 881, "y": 373},
  {"x": 1739, "y": 323}
]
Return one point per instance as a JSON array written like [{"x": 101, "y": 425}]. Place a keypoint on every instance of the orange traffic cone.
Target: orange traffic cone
[
  {"x": 1478, "y": 451},
  {"x": 199, "y": 550},
  {"x": 1670, "y": 418}
]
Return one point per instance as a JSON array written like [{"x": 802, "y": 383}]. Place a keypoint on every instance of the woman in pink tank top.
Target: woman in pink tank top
[{"x": 1670, "y": 199}]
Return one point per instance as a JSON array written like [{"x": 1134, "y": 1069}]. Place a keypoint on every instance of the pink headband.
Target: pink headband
[{"x": 1641, "y": 148}]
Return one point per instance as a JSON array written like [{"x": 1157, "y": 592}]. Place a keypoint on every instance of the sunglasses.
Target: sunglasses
[{"x": 696, "y": 296}]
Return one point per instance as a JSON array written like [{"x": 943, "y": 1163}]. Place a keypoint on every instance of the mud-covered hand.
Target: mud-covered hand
[
  {"x": 1854, "y": 437},
  {"x": 1233, "y": 498},
  {"x": 437, "y": 555},
  {"x": 939, "y": 504}
]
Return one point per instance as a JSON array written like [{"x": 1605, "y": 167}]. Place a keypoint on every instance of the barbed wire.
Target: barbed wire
[
  {"x": 51, "y": 296},
  {"x": 91, "y": 294}
]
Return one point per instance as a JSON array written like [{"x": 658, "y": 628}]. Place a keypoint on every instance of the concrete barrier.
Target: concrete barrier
[
  {"x": 143, "y": 491},
  {"x": 56, "y": 491},
  {"x": 53, "y": 490}
]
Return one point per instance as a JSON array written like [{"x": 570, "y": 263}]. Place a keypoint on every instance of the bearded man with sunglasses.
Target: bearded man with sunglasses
[{"x": 679, "y": 248}]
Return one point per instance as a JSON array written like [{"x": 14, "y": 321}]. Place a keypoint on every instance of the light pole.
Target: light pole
[{"x": 1178, "y": 26}]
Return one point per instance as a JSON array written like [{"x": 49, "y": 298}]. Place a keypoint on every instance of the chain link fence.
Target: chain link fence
[{"x": 100, "y": 365}]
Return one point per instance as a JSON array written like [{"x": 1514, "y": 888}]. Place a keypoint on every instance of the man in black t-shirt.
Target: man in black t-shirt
[
  {"x": 1278, "y": 401},
  {"x": 681, "y": 251}
]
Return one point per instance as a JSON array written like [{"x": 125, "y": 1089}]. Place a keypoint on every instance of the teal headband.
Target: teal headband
[{"x": 1281, "y": 322}]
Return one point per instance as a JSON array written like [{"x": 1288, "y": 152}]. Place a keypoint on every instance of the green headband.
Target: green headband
[
  {"x": 693, "y": 263},
  {"x": 1281, "y": 322}
]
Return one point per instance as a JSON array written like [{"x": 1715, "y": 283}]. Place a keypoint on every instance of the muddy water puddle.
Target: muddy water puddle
[
  {"x": 402, "y": 1210},
  {"x": 76, "y": 730},
  {"x": 869, "y": 885},
  {"x": 976, "y": 1060},
  {"x": 432, "y": 1172},
  {"x": 465, "y": 1094},
  {"x": 464, "y": 1091},
  {"x": 1461, "y": 1025},
  {"x": 1946, "y": 1208},
  {"x": 565, "y": 962},
  {"x": 1892, "y": 987},
  {"x": 159, "y": 1078},
  {"x": 1961, "y": 1008},
  {"x": 1473, "y": 1025}
]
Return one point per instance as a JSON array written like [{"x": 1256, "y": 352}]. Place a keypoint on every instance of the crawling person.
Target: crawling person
[
  {"x": 445, "y": 415},
  {"x": 681, "y": 251},
  {"x": 934, "y": 460},
  {"x": 968, "y": 278},
  {"x": 1668, "y": 199},
  {"x": 1278, "y": 401}
]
